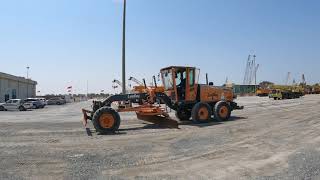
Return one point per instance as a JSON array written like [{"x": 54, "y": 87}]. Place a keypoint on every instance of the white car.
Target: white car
[{"x": 16, "y": 104}]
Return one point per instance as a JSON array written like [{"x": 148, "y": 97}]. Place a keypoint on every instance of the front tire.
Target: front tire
[
  {"x": 222, "y": 111},
  {"x": 2, "y": 108},
  {"x": 201, "y": 112},
  {"x": 106, "y": 120}
]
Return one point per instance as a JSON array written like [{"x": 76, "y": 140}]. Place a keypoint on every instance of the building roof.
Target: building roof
[{"x": 17, "y": 78}]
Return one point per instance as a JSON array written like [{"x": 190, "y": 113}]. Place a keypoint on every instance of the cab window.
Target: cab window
[
  {"x": 180, "y": 76},
  {"x": 167, "y": 79},
  {"x": 191, "y": 77}
]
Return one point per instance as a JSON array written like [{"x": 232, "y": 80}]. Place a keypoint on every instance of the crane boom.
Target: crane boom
[
  {"x": 245, "y": 80},
  {"x": 136, "y": 81},
  {"x": 117, "y": 82}
]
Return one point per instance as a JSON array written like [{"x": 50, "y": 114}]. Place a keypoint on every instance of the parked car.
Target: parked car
[
  {"x": 43, "y": 100},
  {"x": 37, "y": 103},
  {"x": 56, "y": 101},
  {"x": 15, "y": 104}
]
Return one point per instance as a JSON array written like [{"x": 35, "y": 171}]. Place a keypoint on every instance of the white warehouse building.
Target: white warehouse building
[{"x": 13, "y": 87}]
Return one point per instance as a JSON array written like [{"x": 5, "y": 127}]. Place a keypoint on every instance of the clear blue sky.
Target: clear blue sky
[{"x": 67, "y": 42}]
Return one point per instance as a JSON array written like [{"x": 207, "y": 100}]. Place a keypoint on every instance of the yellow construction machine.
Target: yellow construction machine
[
  {"x": 182, "y": 93},
  {"x": 316, "y": 89},
  {"x": 141, "y": 87},
  {"x": 261, "y": 92},
  {"x": 286, "y": 92}
]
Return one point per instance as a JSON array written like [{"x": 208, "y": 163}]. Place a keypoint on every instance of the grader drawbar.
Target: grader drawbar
[{"x": 182, "y": 93}]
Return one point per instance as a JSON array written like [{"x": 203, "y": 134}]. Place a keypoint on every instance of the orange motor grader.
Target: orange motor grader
[{"x": 182, "y": 93}]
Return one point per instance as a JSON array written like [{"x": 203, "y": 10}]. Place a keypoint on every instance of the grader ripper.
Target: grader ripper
[{"x": 182, "y": 94}]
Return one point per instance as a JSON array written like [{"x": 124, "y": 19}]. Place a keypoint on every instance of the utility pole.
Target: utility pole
[
  {"x": 28, "y": 81},
  {"x": 124, "y": 49},
  {"x": 87, "y": 88},
  {"x": 28, "y": 72}
]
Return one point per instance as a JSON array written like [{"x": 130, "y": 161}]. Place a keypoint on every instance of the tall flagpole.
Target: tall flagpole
[{"x": 124, "y": 49}]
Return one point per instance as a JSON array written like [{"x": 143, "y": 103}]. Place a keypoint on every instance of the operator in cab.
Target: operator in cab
[{"x": 181, "y": 84}]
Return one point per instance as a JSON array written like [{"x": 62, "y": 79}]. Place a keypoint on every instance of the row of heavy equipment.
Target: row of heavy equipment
[
  {"x": 181, "y": 92},
  {"x": 288, "y": 91}
]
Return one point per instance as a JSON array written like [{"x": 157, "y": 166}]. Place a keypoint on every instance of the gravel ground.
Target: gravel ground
[{"x": 267, "y": 140}]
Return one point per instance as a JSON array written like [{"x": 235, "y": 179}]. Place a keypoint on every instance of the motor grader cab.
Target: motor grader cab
[
  {"x": 182, "y": 93},
  {"x": 180, "y": 83}
]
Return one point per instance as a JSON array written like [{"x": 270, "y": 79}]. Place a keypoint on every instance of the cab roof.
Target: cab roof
[{"x": 175, "y": 67}]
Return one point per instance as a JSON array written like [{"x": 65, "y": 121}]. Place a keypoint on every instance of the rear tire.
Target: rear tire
[
  {"x": 2, "y": 108},
  {"x": 201, "y": 112},
  {"x": 183, "y": 115},
  {"x": 222, "y": 111},
  {"x": 106, "y": 120}
]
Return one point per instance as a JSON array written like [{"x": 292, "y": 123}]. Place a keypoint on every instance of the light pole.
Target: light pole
[
  {"x": 87, "y": 88},
  {"x": 28, "y": 72},
  {"x": 28, "y": 81},
  {"x": 124, "y": 49}
]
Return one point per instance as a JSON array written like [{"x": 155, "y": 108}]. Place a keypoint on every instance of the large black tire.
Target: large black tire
[
  {"x": 2, "y": 108},
  {"x": 183, "y": 115},
  {"x": 201, "y": 112},
  {"x": 222, "y": 111},
  {"x": 109, "y": 125}
]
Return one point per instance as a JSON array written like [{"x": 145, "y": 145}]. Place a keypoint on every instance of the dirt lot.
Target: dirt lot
[{"x": 268, "y": 140}]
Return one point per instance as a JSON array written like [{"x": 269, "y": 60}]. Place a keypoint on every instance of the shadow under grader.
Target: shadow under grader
[
  {"x": 235, "y": 118},
  {"x": 212, "y": 122},
  {"x": 146, "y": 126},
  {"x": 207, "y": 124}
]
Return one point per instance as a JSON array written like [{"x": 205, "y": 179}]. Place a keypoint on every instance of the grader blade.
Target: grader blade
[{"x": 160, "y": 120}]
